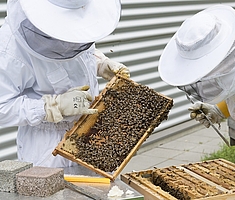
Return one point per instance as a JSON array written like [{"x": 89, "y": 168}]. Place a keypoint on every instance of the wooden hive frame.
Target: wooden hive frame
[{"x": 66, "y": 147}]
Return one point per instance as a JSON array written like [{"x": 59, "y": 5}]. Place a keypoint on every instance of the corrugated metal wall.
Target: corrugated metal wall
[
  {"x": 7, "y": 135},
  {"x": 144, "y": 29}
]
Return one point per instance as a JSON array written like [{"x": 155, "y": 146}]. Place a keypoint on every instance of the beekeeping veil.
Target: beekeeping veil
[
  {"x": 200, "y": 57},
  {"x": 69, "y": 25}
]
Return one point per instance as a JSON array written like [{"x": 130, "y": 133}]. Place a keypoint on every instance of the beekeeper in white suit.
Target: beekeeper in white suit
[
  {"x": 49, "y": 67},
  {"x": 200, "y": 60}
]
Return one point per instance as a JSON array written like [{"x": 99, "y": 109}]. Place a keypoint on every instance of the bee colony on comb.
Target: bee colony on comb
[
  {"x": 127, "y": 114},
  {"x": 208, "y": 180}
]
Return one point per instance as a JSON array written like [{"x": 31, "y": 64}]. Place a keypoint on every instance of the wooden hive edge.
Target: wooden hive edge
[
  {"x": 146, "y": 187},
  {"x": 219, "y": 197}
]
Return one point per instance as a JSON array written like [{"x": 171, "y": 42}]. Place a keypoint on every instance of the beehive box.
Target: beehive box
[
  {"x": 209, "y": 180},
  {"x": 128, "y": 112}
]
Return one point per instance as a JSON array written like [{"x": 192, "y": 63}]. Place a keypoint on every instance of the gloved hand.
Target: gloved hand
[
  {"x": 73, "y": 102},
  {"x": 211, "y": 111},
  {"x": 107, "y": 68}
]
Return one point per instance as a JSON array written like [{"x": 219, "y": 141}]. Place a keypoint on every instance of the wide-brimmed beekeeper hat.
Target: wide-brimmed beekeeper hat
[
  {"x": 78, "y": 21},
  {"x": 198, "y": 46}
]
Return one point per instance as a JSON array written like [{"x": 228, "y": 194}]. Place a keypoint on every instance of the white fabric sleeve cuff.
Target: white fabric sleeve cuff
[{"x": 53, "y": 113}]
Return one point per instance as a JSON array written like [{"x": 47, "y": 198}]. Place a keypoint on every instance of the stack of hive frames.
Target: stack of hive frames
[
  {"x": 106, "y": 141},
  {"x": 209, "y": 180}
]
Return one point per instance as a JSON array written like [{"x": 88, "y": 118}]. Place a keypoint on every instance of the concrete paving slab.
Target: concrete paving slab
[
  {"x": 206, "y": 148},
  {"x": 218, "y": 142},
  {"x": 162, "y": 152},
  {"x": 141, "y": 162},
  {"x": 189, "y": 157},
  {"x": 196, "y": 139},
  {"x": 206, "y": 133},
  {"x": 179, "y": 145}
]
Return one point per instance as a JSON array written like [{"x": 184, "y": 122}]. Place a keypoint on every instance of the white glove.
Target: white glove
[
  {"x": 73, "y": 102},
  {"x": 107, "y": 68},
  {"x": 211, "y": 111}
]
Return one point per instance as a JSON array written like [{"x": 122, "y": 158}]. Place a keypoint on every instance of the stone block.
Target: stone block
[
  {"x": 40, "y": 181},
  {"x": 8, "y": 171}
]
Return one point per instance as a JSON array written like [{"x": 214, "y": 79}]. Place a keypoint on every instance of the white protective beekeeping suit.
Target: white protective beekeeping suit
[{"x": 34, "y": 65}]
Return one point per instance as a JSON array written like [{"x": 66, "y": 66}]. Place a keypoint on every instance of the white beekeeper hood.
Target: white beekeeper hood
[
  {"x": 199, "y": 45},
  {"x": 77, "y": 21}
]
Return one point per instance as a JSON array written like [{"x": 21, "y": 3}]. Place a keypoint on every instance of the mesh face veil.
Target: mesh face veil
[
  {"x": 203, "y": 91},
  {"x": 48, "y": 46},
  {"x": 216, "y": 86}
]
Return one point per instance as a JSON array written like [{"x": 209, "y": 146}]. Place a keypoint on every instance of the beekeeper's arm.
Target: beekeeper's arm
[
  {"x": 216, "y": 113},
  {"x": 18, "y": 109},
  {"x": 107, "y": 68}
]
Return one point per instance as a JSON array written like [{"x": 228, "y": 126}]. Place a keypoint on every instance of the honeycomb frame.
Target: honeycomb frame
[{"x": 84, "y": 126}]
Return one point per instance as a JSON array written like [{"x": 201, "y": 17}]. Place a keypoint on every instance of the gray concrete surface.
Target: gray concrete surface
[{"x": 189, "y": 146}]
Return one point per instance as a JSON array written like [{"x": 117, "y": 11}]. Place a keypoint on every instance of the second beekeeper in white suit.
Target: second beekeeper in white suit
[
  {"x": 200, "y": 60},
  {"x": 49, "y": 67}
]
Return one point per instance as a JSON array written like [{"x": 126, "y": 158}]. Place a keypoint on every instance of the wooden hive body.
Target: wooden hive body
[{"x": 209, "y": 180}]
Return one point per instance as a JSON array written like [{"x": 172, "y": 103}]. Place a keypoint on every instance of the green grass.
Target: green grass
[{"x": 225, "y": 152}]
